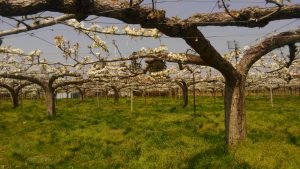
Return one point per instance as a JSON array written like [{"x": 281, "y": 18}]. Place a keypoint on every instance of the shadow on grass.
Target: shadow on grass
[{"x": 216, "y": 157}]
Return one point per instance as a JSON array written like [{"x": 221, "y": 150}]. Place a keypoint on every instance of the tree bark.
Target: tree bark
[
  {"x": 13, "y": 94},
  {"x": 214, "y": 94},
  {"x": 235, "y": 116},
  {"x": 82, "y": 93},
  {"x": 116, "y": 94},
  {"x": 15, "y": 99},
  {"x": 50, "y": 102},
  {"x": 184, "y": 89}
]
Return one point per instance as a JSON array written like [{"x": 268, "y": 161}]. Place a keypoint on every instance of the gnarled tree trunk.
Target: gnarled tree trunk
[
  {"x": 13, "y": 94},
  {"x": 184, "y": 89},
  {"x": 235, "y": 116}
]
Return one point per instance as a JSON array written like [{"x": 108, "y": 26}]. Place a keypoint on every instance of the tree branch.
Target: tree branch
[
  {"x": 55, "y": 77},
  {"x": 41, "y": 24},
  {"x": 246, "y": 17},
  {"x": 259, "y": 50},
  {"x": 9, "y": 88},
  {"x": 23, "y": 77},
  {"x": 21, "y": 86},
  {"x": 77, "y": 82}
]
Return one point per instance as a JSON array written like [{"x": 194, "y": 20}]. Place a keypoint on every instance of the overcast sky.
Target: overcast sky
[{"x": 218, "y": 36}]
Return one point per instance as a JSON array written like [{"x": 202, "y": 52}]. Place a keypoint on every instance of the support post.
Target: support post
[
  {"x": 194, "y": 94},
  {"x": 271, "y": 94},
  {"x": 98, "y": 104},
  {"x": 131, "y": 102}
]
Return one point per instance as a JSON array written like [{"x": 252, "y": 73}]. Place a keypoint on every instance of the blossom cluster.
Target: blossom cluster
[
  {"x": 108, "y": 70},
  {"x": 163, "y": 53},
  {"x": 127, "y": 30},
  {"x": 32, "y": 55},
  {"x": 98, "y": 43},
  {"x": 141, "y": 32},
  {"x": 10, "y": 50},
  {"x": 164, "y": 73}
]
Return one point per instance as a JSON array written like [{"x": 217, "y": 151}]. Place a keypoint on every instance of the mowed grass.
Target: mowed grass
[{"x": 157, "y": 134}]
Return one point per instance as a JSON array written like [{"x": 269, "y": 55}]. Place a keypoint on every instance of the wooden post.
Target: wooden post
[
  {"x": 21, "y": 99},
  {"x": 131, "y": 103},
  {"x": 194, "y": 94},
  {"x": 98, "y": 103},
  {"x": 145, "y": 96},
  {"x": 271, "y": 94}
]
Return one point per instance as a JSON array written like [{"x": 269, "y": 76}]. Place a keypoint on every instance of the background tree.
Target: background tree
[{"x": 14, "y": 90}]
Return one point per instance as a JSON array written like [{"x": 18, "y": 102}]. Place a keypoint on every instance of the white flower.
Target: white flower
[
  {"x": 246, "y": 47},
  {"x": 59, "y": 41}
]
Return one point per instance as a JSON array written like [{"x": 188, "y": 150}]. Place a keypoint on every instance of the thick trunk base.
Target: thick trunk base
[
  {"x": 235, "y": 116},
  {"x": 50, "y": 102},
  {"x": 15, "y": 100}
]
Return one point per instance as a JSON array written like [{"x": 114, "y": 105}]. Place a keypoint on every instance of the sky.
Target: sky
[{"x": 218, "y": 36}]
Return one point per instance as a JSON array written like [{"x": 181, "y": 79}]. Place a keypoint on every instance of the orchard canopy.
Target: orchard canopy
[{"x": 50, "y": 44}]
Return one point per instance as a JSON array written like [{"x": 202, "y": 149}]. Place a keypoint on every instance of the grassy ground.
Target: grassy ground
[{"x": 158, "y": 134}]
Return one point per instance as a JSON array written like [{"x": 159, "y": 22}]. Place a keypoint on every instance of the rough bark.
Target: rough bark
[
  {"x": 50, "y": 102},
  {"x": 185, "y": 96},
  {"x": 267, "y": 45},
  {"x": 13, "y": 94},
  {"x": 15, "y": 99},
  {"x": 246, "y": 17},
  {"x": 235, "y": 115}
]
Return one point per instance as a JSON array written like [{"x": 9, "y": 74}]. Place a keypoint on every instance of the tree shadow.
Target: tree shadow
[{"x": 215, "y": 157}]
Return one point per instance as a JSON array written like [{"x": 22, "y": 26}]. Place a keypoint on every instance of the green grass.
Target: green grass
[{"x": 158, "y": 134}]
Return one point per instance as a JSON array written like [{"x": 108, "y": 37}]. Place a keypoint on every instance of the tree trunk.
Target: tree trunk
[
  {"x": 184, "y": 88},
  {"x": 235, "y": 116},
  {"x": 214, "y": 95},
  {"x": 116, "y": 94},
  {"x": 145, "y": 97},
  {"x": 82, "y": 95},
  {"x": 15, "y": 99},
  {"x": 81, "y": 91},
  {"x": 50, "y": 102},
  {"x": 67, "y": 92},
  {"x": 38, "y": 94},
  {"x": 13, "y": 94},
  {"x": 106, "y": 93}
]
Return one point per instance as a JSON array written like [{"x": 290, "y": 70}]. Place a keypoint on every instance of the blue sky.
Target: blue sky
[{"x": 218, "y": 36}]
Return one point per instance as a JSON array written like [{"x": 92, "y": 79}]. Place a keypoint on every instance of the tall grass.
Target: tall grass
[{"x": 157, "y": 134}]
